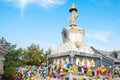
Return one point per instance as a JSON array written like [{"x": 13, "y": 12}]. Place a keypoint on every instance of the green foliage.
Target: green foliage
[
  {"x": 10, "y": 70},
  {"x": 48, "y": 52},
  {"x": 32, "y": 56},
  {"x": 16, "y": 57}
]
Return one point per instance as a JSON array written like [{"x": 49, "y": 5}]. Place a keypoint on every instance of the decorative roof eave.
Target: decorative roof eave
[
  {"x": 69, "y": 53},
  {"x": 106, "y": 54},
  {"x": 59, "y": 54},
  {"x": 3, "y": 50},
  {"x": 115, "y": 60},
  {"x": 114, "y": 51},
  {"x": 90, "y": 56},
  {"x": 116, "y": 63}
]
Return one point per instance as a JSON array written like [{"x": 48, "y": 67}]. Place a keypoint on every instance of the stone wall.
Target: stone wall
[
  {"x": 3, "y": 52},
  {"x": 1, "y": 66}
]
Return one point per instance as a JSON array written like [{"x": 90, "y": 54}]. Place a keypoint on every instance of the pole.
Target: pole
[{"x": 71, "y": 55}]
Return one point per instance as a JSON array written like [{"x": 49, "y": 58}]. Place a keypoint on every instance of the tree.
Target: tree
[
  {"x": 12, "y": 59},
  {"x": 16, "y": 57},
  {"x": 48, "y": 52},
  {"x": 33, "y": 55}
]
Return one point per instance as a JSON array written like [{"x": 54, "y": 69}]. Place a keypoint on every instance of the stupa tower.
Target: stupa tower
[
  {"x": 73, "y": 33},
  {"x": 73, "y": 49}
]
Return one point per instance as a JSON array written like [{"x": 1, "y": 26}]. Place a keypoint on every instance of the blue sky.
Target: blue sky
[{"x": 23, "y": 22}]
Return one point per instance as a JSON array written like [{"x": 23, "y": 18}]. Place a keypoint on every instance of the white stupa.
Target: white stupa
[
  {"x": 73, "y": 49},
  {"x": 73, "y": 36}
]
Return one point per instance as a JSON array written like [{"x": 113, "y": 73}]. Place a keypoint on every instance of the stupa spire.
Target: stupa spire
[{"x": 73, "y": 15}]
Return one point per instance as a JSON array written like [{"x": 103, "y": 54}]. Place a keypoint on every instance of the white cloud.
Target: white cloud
[
  {"x": 50, "y": 3},
  {"x": 22, "y": 4},
  {"x": 43, "y": 3},
  {"x": 101, "y": 36},
  {"x": 103, "y": 40}
]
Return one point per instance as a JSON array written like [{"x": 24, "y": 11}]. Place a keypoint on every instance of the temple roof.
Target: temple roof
[
  {"x": 106, "y": 54},
  {"x": 3, "y": 50}
]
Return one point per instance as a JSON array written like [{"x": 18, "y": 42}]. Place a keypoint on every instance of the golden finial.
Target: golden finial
[
  {"x": 73, "y": 7},
  {"x": 73, "y": 16}
]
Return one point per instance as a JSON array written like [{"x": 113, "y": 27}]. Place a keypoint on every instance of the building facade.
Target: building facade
[
  {"x": 115, "y": 55},
  {"x": 3, "y": 52}
]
